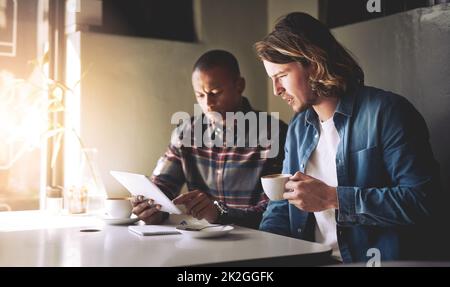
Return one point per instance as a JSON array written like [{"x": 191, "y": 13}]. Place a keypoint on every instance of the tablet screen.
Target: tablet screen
[{"x": 139, "y": 184}]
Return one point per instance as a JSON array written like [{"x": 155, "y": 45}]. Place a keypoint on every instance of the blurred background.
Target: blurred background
[{"x": 106, "y": 76}]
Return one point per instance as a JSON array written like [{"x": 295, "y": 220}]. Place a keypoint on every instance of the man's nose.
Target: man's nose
[
  {"x": 278, "y": 89},
  {"x": 209, "y": 100}
]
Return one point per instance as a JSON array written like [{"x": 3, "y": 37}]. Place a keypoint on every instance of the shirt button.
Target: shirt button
[
  {"x": 299, "y": 230},
  {"x": 302, "y": 166}
]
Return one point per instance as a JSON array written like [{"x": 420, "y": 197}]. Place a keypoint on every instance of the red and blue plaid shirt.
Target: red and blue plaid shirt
[{"x": 229, "y": 174}]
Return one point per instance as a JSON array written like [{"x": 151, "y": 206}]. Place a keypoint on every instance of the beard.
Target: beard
[{"x": 300, "y": 106}]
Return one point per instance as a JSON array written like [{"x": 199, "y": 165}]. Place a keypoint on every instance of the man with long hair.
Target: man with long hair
[{"x": 364, "y": 175}]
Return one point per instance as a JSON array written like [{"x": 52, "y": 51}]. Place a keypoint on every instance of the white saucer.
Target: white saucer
[
  {"x": 120, "y": 221},
  {"x": 209, "y": 232}
]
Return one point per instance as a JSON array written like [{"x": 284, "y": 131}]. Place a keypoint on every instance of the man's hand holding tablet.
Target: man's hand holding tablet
[
  {"x": 147, "y": 211},
  {"x": 150, "y": 204}
]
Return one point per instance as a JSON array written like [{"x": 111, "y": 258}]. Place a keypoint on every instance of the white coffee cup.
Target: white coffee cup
[
  {"x": 118, "y": 207},
  {"x": 273, "y": 185}
]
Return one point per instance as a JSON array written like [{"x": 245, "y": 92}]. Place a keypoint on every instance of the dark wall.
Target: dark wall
[{"x": 408, "y": 53}]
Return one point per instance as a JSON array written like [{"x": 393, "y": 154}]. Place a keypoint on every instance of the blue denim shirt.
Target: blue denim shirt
[{"x": 386, "y": 174}]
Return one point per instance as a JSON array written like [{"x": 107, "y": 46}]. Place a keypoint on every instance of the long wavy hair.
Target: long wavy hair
[{"x": 298, "y": 37}]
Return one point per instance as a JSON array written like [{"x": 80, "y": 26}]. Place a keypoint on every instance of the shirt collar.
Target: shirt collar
[
  {"x": 245, "y": 106},
  {"x": 345, "y": 107},
  {"x": 346, "y": 103}
]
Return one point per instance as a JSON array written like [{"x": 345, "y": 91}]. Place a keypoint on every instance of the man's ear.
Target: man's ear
[{"x": 240, "y": 85}]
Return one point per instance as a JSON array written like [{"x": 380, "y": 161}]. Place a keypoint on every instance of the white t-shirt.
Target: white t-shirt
[{"x": 322, "y": 165}]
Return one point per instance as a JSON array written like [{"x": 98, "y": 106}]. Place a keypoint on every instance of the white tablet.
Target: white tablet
[{"x": 139, "y": 184}]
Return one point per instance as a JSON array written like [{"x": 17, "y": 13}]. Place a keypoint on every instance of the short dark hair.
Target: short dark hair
[
  {"x": 218, "y": 58},
  {"x": 299, "y": 37}
]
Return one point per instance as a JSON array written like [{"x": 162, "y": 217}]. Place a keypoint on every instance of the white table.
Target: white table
[{"x": 35, "y": 238}]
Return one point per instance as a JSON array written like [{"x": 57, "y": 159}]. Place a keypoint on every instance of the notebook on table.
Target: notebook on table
[{"x": 148, "y": 230}]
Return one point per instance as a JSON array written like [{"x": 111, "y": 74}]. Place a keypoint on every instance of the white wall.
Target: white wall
[{"x": 134, "y": 85}]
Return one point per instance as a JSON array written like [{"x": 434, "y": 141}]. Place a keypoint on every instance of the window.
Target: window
[{"x": 22, "y": 38}]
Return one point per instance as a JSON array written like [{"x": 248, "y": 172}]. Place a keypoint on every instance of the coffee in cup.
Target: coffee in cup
[
  {"x": 273, "y": 185},
  {"x": 118, "y": 207}
]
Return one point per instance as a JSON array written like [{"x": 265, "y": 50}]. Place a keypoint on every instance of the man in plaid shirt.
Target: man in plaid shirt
[{"x": 223, "y": 179}]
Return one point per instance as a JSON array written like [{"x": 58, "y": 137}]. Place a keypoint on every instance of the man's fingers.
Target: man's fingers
[
  {"x": 297, "y": 184},
  {"x": 137, "y": 209},
  {"x": 295, "y": 180},
  {"x": 289, "y": 195},
  {"x": 290, "y": 185},
  {"x": 299, "y": 176},
  {"x": 149, "y": 212},
  {"x": 195, "y": 201},
  {"x": 202, "y": 213},
  {"x": 199, "y": 207},
  {"x": 135, "y": 200},
  {"x": 183, "y": 198}
]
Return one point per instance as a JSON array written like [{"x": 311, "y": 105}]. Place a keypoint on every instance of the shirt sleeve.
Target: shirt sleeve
[
  {"x": 168, "y": 174},
  {"x": 275, "y": 219},
  {"x": 252, "y": 216}
]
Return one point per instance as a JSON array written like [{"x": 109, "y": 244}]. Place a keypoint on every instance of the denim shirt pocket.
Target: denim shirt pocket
[{"x": 366, "y": 167}]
